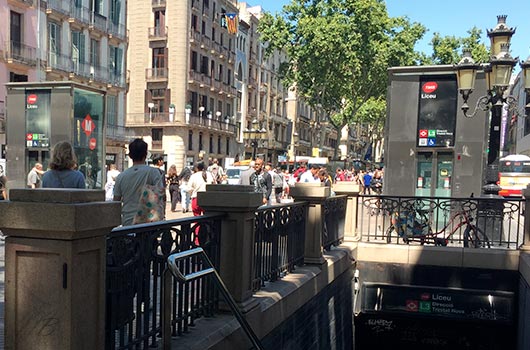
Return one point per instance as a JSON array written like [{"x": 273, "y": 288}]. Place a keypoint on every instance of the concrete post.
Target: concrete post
[
  {"x": 526, "y": 194},
  {"x": 315, "y": 194},
  {"x": 351, "y": 189},
  {"x": 239, "y": 203},
  {"x": 55, "y": 267}
]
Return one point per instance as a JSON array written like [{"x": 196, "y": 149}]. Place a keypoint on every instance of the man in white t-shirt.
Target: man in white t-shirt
[
  {"x": 129, "y": 184},
  {"x": 310, "y": 175}
]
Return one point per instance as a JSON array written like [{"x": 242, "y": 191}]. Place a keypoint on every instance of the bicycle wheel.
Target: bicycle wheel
[{"x": 474, "y": 237}]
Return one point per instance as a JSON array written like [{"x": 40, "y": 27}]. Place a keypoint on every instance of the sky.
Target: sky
[{"x": 453, "y": 17}]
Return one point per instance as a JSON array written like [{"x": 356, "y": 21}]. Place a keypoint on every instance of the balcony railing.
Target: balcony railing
[
  {"x": 156, "y": 74},
  {"x": 25, "y": 2},
  {"x": 195, "y": 37},
  {"x": 158, "y": 3},
  {"x": 98, "y": 21},
  {"x": 60, "y": 6},
  {"x": 118, "y": 132},
  {"x": 79, "y": 14},
  {"x": 213, "y": 123},
  {"x": 117, "y": 30},
  {"x": 21, "y": 53},
  {"x": 158, "y": 33}
]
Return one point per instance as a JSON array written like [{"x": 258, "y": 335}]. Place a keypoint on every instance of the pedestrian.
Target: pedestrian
[
  {"x": 367, "y": 179},
  {"x": 62, "y": 172},
  {"x": 112, "y": 174},
  {"x": 262, "y": 181},
  {"x": 173, "y": 185},
  {"x": 277, "y": 182},
  {"x": 244, "y": 178},
  {"x": 158, "y": 162},
  {"x": 3, "y": 187},
  {"x": 184, "y": 178},
  {"x": 135, "y": 184},
  {"x": 86, "y": 170},
  {"x": 197, "y": 183},
  {"x": 34, "y": 176},
  {"x": 311, "y": 174}
]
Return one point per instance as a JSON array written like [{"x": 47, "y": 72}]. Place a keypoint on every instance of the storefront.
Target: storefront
[
  {"x": 431, "y": 148},
  {"x": 41, "y": 114}
]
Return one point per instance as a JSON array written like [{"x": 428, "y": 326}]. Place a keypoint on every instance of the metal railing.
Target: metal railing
[
  {"x": 156, "y": 73},
  {"x": 279, "y": 241},
  {"x": 58, "y": 61},
  {"x": 159, "y": 33},
  {"x": 117, "y": 30},
  {"x": 98, "y": 21},
  {"x": 488, "y": 222},
  {"x": 136, "y": 258},
  {"x": 61, "y": 6},
  {"x": 20, "y": 52},
  {"x": 177, "y": 268},
  {"x": 79, "y": 13},
  {"x": 334, "y": 216},
  {"x": 157, "y": 3},
  {"x": 215, "y": 124}
]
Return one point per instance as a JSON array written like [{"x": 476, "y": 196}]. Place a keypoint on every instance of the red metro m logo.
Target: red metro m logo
[{"x": 429, "y": 87}]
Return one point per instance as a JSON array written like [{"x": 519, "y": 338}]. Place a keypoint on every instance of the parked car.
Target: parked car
[{"x": 233, "y": 174}]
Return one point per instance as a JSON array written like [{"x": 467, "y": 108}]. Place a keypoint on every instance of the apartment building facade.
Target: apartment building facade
[
  {"x": 183, "y": 90},
  {"x": 83, "y": 41}
]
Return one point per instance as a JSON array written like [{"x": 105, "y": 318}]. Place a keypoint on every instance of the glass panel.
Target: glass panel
[
  {"x": 38, "y": 118},
  {"x": 424, "y": 174},
  {"x": 444, "y": 174},
  {"x": 88, "y": 135}
]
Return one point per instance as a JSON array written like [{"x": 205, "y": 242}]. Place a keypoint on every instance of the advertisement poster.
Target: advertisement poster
[
  {"x": 37, "y": 118},
  {"x": 437, "y": 111}
]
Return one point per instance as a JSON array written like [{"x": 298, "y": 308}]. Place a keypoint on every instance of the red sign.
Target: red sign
[
  {"x": 32, "y": 99},
  {"x": 429, "y": 87},
  {"x": 29, "y": 137},
  {"x": 92, "y": 143},
  {"x": 425, "y": 296},
  {"x": 424, "y": 133},
  {"x": 412, "y": 305},
  {"x": 88, "y": 125}
]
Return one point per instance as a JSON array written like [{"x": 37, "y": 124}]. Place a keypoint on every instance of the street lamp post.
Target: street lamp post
[
  {"x": 254, "y": 135},
  {"x": 209, "y": 115},
  {"x": 497, "y": 73}
]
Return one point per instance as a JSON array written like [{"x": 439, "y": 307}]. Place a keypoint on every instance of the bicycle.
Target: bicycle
[{"x": 414, "y": 225}]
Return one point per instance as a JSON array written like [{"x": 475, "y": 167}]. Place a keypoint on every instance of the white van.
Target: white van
[{"x": 233, "y": 174}]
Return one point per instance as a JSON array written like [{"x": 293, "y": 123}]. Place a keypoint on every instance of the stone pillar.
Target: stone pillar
[
  {"x": 55, "y": 267},
  {"x": 239, "y": 203},
  {"x": 526, "y": 194},
  {"x": 315, "y": 194},
  {"x": 351, "y": 189}
]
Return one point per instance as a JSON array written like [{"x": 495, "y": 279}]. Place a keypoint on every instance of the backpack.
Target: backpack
[{"x": 277, "y": 181}]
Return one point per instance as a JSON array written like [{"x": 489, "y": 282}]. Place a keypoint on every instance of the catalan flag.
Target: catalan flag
[{"x": 231, "y": 22}]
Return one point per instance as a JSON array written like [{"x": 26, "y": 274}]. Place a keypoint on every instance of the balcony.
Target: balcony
[
  {"x": 199, "y": 78},
  {"x": 118, "y": 133},
  {"x": 56, "y": 61},
  {"x": 206, "y": 43},
  {"x": 27, "y": 3},
  {"x": 156, "y": 144},
  {"x": 18, "y": 53},
  {"x": 158, "y": 4},
  {"x": 156, "y": 74},
  {"x": 98, "y": 22},
  {"x": 79, "y": 14},
  {"x": 213, "y": 123},
  {"x": 117, "y": 30},
  {"x": 116, "y": 79},
  {"x": 195, "y": 37},
  {"x": 157, "y": 33},
  {"x": 61, "y": 8}
]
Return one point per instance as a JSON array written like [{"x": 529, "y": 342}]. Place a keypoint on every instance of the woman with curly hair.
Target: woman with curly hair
[{"x": 62, "y": 165}]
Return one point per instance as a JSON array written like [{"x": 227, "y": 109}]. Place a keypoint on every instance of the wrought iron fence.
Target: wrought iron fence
[
  {"x": 468, "y": 222},
  {"x": 334, "y": 217},
  {"x": 136, "y": 258},
  {"x": 279, "y": 241}
]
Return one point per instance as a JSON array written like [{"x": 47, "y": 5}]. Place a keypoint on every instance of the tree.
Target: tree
[
  {"x": 339, "y": 52},
  {"x": 448, "y": 49}
]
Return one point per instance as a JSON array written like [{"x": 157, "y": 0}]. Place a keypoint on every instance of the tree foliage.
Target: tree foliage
[
  {"x": 448, "y": 49},
  {"x": 339, "y": 52}
]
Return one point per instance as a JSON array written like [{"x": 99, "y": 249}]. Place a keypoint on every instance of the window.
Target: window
[
  {"x": 190, "y": 140},
  {"x": 210, "y": 148},
  {"x": 203, "y": 29},
  {"x": 15, "y": 29},
  {"x": 213, "y": 34},
  {"x": 115, "y": 9},
  {"x": 156, "y": 134},
  {"x": 229, "y": 77},
  {"x": 115, "y": 60},
  {"x": 227, "y": 146},
  {"x": 220, "y": 78},
  {"x": 94, "y": 52},
  {"x": 78, "y": 48},
  {"x": 219, "y": 144},
  {"x": 54, "y": 42},
  {"x": 204, "y": 65},
  {"x": 112, "y": 110},
  {"x": 159, "y": 58},
  {"x": 200, "y": 142},
  {"x": 17, "y": 78},
  {"x": 194, "y": 23},
  {"x": 194, "y": 59}
]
